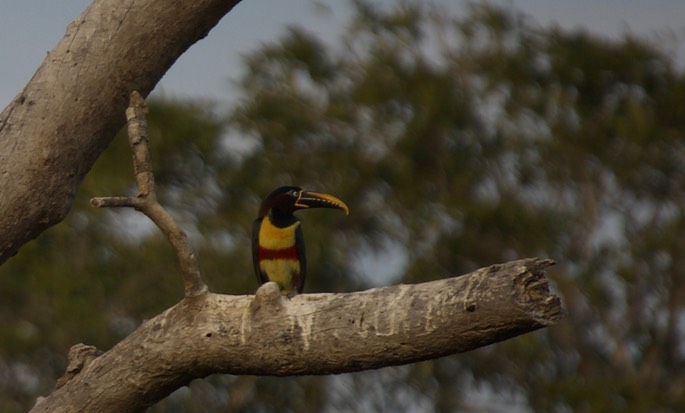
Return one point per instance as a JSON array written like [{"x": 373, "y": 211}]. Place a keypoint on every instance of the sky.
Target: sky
[{"x": 30, "y": 28}]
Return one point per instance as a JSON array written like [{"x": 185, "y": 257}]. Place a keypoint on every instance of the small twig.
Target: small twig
[{"x": 146, "y": 200}]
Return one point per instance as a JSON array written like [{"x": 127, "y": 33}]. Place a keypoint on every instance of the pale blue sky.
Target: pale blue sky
[{"x": 29, "y": 28}]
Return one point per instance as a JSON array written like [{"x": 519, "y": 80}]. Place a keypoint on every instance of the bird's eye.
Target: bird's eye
[{"x": 294, "y": 193}]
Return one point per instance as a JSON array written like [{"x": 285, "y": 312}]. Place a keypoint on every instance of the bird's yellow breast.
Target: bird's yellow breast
[
  {"x": 282, "y": 272},
  {"x": 272, "y": 237}
]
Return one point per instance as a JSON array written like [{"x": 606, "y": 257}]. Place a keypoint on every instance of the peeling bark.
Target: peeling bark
[{"x": 267, "y": 334}]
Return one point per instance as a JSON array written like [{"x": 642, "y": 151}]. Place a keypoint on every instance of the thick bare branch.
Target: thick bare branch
[
  {"x": 54, "y": 130},
  {"x": 268, "y": 334},
  {"x": 146, "y": 201}
]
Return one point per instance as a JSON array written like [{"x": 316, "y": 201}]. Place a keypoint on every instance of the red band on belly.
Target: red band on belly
[{"x": 279, "y": 254}]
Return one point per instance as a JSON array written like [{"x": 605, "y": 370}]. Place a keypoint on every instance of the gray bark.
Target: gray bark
[
  {"x": 54, "y": 130},
  {"x": 267, "y": 334}
]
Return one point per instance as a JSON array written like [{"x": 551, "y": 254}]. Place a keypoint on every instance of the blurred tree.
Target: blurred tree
[
  {"x": 458, "y": 142},
  {"x": 81, "y": 280}
]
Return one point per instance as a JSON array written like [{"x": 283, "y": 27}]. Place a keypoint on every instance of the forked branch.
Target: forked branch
[{"x": 146, "y": 200}]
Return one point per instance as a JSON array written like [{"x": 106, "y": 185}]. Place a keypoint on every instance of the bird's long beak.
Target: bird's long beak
[{"x": 310, "y": 199}]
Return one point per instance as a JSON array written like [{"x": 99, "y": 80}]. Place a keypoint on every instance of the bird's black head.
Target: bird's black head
[{"x": 288, "y": 199}]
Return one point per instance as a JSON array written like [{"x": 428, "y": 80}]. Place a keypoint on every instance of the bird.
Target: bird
[{"x": 278, "y": 252}]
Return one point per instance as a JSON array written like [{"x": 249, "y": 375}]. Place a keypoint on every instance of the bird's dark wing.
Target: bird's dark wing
[
  {"x": 302, "y": 258},
  {"x": 261, "y": 278}
]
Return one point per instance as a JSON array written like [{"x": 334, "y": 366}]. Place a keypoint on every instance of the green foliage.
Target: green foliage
[{"x": 458, "y": 142}]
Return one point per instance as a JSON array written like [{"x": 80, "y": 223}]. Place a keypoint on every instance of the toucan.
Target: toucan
[{"x": 277, "y": 242}]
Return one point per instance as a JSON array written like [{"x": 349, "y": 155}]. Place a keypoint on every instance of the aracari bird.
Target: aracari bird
[{"x": 277, "y": 242}]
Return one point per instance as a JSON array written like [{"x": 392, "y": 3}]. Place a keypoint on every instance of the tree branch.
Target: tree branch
[
  {"x": 267, "y": 334},
  {"x": 146, "y": 200},
  {"x": 54, "y": 130}
]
